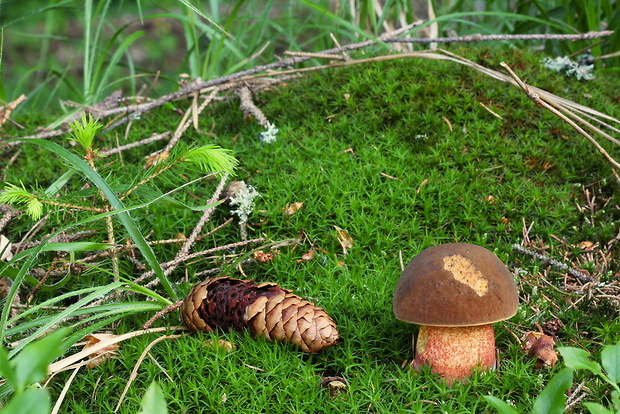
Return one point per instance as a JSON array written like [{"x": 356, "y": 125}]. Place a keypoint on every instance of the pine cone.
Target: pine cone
[{"x": 265, "y": 309}]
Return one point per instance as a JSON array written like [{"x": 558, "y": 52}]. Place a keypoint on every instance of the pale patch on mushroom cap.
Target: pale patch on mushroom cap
[{"x": 455, "y": 284}]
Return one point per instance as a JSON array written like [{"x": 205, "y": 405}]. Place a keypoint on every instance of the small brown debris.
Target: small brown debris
[
  {"x": 153, "y": 160},
  {"x": 262, "y": 257},
  {"x": 307, "y": 256},
  {"x": 540, "y": 346},
  {"x": 586, "y": 245},
  {"x": 390, "y": 177},
  {"x": 422, "y": 184},
  {"x": 336, "y": 386},
  {"x": 345, "y": 240},
  {"x": 6, "y": 110},
  {"x": 293, "y": 208},
  {"x": 5, "y": 286},
  {"x": 233, "y": 188},
  {"x": 553, "y": 327},
  {"x": 101, "y": 355},
  {"x": 220, "y": 344}
]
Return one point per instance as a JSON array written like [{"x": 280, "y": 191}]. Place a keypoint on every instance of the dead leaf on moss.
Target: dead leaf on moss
[
  {"x": 220, "y": 344},
  {"x": 155, "y": 159},
  {"x": 307, "y": 256},
  {"x": 263, "y": 257},
  {"x": 540, "y": 346},
  {"x": 586, "y": 245},
  {"x": 101, "y": 355},
  {"x": 293, "y": 208},
  {"x": 345, "y": 240}
]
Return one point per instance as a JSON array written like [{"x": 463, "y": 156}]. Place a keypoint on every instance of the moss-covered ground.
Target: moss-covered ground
[{"x": 402, "y": 155}]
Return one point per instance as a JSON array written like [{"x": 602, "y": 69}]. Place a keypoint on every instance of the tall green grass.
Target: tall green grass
[{"x": 83, "y": 50}]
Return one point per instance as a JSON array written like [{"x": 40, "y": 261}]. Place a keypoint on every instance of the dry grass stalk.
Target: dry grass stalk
[{"x": 134, "y": 372}]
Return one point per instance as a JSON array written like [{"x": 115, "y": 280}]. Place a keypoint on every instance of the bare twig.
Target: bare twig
[
  {"x": 168, "y": 309},
  {"x": 481, "y": 38},
  {"x": 558, "y": 265},
  {"x": 198, "y": 86},
  {"x": 185, "y": 122},
  {"x": 315, "y": 55},
  {"x": 153, "y": 138},
  {"x": 248, "y": 107}
]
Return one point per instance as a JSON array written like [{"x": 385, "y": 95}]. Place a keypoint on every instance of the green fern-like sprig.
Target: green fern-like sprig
[
  {"x": 14, "y": 194},
  {"x": 84, "y": 131},
  {"x": 211, "y": 158}
]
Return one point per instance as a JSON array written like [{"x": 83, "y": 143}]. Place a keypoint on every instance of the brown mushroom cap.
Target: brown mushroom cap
[{"x": 455, "y": 284}]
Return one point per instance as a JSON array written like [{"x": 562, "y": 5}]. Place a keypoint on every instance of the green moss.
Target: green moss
[{"x": 402, "y": 155}]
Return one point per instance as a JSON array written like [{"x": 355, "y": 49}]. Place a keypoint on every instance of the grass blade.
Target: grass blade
[{"x": 125, "y": 218}]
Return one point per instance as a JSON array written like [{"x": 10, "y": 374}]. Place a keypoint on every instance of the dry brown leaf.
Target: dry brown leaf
[
  {"x": 155, "y": 159},
  {"x": 263, "y": 257},
  {"x": 586, "y": 245},
  {"x": 540, "y": 346},
  {"x": 307, "y": 256},
  {"x": 220, "y": 344},
  {"x": 345, "y": 240},
  {"x": 293, "y": 208},
  {"x": 100, "y": 355}
]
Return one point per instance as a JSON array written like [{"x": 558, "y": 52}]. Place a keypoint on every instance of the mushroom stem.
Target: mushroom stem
[{"x": 454, "y": 352}]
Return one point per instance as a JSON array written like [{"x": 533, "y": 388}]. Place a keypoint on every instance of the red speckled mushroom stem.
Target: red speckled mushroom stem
[{"x": 454, "y": 352}]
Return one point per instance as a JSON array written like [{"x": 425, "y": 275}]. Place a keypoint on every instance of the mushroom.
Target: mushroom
[{"x": 455, "y": 292}]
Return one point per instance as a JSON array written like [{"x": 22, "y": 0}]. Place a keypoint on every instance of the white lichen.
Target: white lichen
[
  {"x": 269, "y": 136},
  {"x": 243, "y": 201},
  {"x": 579, "y": 70}
]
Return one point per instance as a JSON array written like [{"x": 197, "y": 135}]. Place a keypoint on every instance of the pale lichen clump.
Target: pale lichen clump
[
  {"x": 243, "y": 202},
  {"x": 269, "y": 136},
  {"x": 580, "y": 70}
]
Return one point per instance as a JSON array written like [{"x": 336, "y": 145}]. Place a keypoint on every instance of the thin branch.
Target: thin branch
[
  {"x": 480, "y": 38},
  {"x": 536, "y": 98},
  {"x": 198, "y": 86},
  {"x": 558, "y": 265},
  {"x": 153, "y": 138},
  {"x": 248, "y": 107}
]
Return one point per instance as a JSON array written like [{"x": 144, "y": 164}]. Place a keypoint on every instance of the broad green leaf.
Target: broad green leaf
[
  {"x": 6, "y": 370},
  {"x": 577, "y": 358},
  {"x": 153, "y": 401},
  {"x": 610, "y": 358},
  {"x": 31, "y": 364},
  {"x": 595, "y": 408},
  {"x": 59, "y": 183},
  {"x": 552, "y": 399},
  {"x": 33, "y": 401},
  {"x": 501, "y": 406}
]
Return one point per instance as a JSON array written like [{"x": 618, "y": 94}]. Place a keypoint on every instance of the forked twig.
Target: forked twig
[
  {"x": 557, "y": 264},
  {"x": 134, "y": 372}
]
